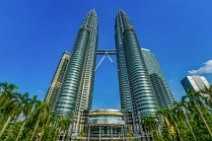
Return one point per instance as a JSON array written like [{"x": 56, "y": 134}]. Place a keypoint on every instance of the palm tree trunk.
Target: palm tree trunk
[
  {"x": 54, "y": 136},
  {"x": 199, "y": 111},
  {"x": 190, "y": 128},
  {"x": 42, "y": 132},
  {"x": 168, "y": 126},
  {"x": 178, "y": 132},
  {"x": 44, "y": 127},
  {"x": 5, "y": 125},
  {"x": 36, "y": 126},
  {"x": 19, "y": 134},
  {"x": 55, "y": 131}
]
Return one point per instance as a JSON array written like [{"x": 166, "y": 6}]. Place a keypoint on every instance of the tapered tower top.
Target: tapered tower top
[
  {"x": 122, "y": 12},
  {"x": 122, "y": 20},
  {"x": 93, "y": 11},
  {"x": 90, "y": 20}
]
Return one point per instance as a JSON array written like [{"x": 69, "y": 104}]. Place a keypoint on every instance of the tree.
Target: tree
[
  {"x": 40, "y": 113},
  {"x": 166, "y": 126},
  {"x": 6, "y": 93},
  {"x": 180, "y": 107},
  {"x": 11, "y": 110},
  {"x": 192, "y": 95},
  {"x": 150, "y": 126},
  {"x": 65, "y": 124},
  {"x": 27, "y": 107},
  {"x": 206, "y": 94},
  {"x": 23, "y": 118}
]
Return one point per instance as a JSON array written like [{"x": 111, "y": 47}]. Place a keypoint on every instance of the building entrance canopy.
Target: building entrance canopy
[
  {"x": 105, "y": 117},
  {"x": 106, "y": 123}
]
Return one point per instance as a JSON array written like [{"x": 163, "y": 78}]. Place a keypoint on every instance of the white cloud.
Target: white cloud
[{"x": 207, "y": 68}]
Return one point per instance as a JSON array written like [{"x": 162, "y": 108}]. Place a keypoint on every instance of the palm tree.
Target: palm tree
[
  {"x": 6, "y": 93},
  {"x": 192, "y": 95},
  {"x": 40, "y": 114},
  {"x": 164, "y": 113},
  {"x": 179, "y": 108},
  {"x": 55, "y": 126},
  {"x": 150, "y": 125},
  {"x": 11, "y": 111},
  {"x": 207, "y": 95},
  {"x": 65, "y": 125},
  {"x": 47, "y": 119},
  {"x": 21, "y": 99},
  {"x": 26, "y": 110},
  {"x": 174, "y": 121}
]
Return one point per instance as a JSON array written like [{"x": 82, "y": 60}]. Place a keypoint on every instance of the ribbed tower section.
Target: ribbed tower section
[
  {"x": 126, "y": 102},
  {"x": 76, "y": 93},
  {"x": 141, "y": 94},
  {"x": 124, "y": 86}
]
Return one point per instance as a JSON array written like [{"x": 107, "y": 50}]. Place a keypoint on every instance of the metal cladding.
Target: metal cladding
[
  {"x": 77, "y": 88},
  {"x": 141, "y": 95}
]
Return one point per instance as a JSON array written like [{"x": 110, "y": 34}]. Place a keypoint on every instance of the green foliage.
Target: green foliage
[
  {"x": 130, "y": 134},
  {"x": 24, "y": 119},
  {"x": 165, "y": 132},
  {"x": 83, "y": 134},
  {"x": 189, "y": 119}
]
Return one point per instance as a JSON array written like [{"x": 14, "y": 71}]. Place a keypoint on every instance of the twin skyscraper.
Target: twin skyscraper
[{"x": 143, "y": 88}]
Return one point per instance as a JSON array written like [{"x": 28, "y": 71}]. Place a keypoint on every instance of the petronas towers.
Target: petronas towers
[{"x": 71, "y": 90}]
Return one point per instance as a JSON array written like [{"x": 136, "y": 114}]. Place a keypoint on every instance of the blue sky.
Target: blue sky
[{"x": 34, "y": 34}]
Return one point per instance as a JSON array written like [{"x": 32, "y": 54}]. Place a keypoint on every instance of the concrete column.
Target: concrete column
[
  {"x": 122, "y": 132},
  {"x": 88, "y": 132},
  {"x": 100, "y": 132},
  {"x": 111, "y": 132}
]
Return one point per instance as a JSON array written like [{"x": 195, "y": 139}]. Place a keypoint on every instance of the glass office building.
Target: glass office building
[
  {"x": 194, "y": 83},
  {"x": 162, "y": 91}
]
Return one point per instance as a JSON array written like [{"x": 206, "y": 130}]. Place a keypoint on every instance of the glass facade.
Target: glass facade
[
  {"x": 140, "y": 94},
  {"x": 162, "y": 91},
  {"x": 136, "y": 91},
  {"x": 76, "y": 92},
  {"x": 75, "y": 78},
  {"x": 194, "y": 83}
]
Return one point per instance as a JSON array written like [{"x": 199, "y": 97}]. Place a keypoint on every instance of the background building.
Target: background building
[
  {"x": 162, "y": 91},
  {"x": 58, "y": 79},
  {"x": 194, "y": 83}
]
